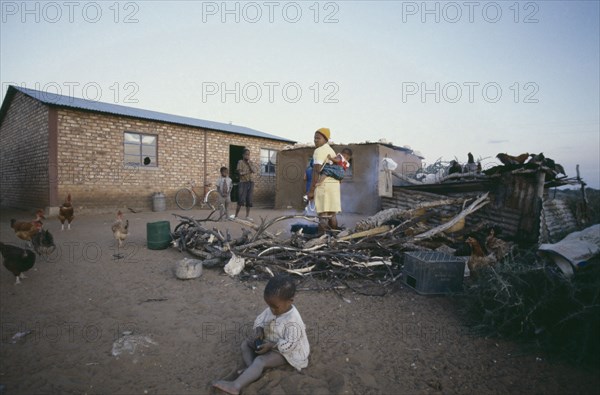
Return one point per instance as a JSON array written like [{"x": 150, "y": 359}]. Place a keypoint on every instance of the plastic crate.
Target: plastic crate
[{"x": 433, "y": 273}]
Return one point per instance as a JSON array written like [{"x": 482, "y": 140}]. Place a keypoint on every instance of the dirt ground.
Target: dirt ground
[{"x": 77, "y": 304}]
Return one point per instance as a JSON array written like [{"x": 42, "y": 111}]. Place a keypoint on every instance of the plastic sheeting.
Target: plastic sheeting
[{"x": 574, "y": 250}]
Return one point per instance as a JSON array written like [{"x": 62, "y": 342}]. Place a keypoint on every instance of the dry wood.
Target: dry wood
[
  {"x": 370, "y": 232},
  {"x": 396, "y": 214},
  {"x": 476, "y": 205},
  {"x": 371, "y": 254}
]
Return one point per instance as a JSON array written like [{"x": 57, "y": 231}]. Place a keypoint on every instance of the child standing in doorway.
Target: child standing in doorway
[
  {"x": 224, "y": 186},
  {"x": 279, "y": 336}
]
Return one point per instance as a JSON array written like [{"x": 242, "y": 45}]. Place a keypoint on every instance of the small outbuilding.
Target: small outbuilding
[{"x": 368, "y": 179}]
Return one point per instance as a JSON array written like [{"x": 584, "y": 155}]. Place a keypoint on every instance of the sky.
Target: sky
[{"x": 444, "y": 78}]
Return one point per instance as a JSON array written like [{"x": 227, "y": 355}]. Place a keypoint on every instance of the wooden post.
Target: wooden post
[
  {"x": 538, "y": 205},
  {"x": 582, "y": 216}
]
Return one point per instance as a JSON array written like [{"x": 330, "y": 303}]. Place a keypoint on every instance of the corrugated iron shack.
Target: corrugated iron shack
[{"x": 522, "y": 204}]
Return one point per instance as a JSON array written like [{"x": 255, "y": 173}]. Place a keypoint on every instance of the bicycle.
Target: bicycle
[{"x": 187, "y": 197}]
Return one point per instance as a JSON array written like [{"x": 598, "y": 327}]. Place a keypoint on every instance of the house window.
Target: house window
[
  {"x": 268, "y": 158},
  {"x": 140, "y": 150}
]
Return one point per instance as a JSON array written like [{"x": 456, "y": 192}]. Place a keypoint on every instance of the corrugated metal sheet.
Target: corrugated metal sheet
[
  {"x": 514, "y": 206},
  {"x": 53, "y": 99},
  {"x": 407, "y": 199},
  {"x": 557, "y": 220}
]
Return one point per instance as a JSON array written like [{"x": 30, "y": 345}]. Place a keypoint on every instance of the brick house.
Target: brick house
[{"x": 51, "y": 145}]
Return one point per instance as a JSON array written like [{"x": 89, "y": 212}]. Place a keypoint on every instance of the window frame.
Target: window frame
[
  {"x": 264, "y": 166},
  {"x": 140, "y": 146}
]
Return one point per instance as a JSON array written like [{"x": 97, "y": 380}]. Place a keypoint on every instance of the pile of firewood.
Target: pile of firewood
[{"x": 373, "y": 250}]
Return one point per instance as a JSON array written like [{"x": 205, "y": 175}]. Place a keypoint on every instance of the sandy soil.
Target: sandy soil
[{"x": 79, "y": 302}]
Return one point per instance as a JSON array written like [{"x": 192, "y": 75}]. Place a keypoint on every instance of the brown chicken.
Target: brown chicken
[
  {"x": 478, "y": 258},
  {"x": 513, "y": 160},
  {"x": 65, "y": 213},
  {"x": 26, "y": 230},
  {"x": 120, "y": 228},
  {"x": 496, "y": 246},
  {"x": 17, "y": 260}
]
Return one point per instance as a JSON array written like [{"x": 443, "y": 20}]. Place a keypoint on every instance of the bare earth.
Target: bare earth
[{"x": 78, "y": 303}]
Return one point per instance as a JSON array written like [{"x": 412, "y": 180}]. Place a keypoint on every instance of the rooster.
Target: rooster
[
  {"x": 43, "y": 242},
  {"x": 478, "y": 258},
  {"x": 513, "y": 160},
  {"x": 17, "y": 260},
  {"x": 120, "y": 228},
  {"x": 65, "y": 213},
  {"x": 21, "y": 228}
]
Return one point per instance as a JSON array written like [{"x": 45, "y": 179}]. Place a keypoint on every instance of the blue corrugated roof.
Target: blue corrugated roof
[{"x": 54, "y": 99}]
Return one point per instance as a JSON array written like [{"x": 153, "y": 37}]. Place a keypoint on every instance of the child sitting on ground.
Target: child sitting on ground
[
  {"x": 340, "y": 164},
  {"x": 279, "y": 336}
]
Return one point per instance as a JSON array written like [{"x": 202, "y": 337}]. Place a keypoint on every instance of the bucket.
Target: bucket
[
  {"x": 159, "y": 202},
  {"x": 158, "y": 235}
]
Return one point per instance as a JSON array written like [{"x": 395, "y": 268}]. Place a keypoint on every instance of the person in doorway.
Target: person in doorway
[{"x": 247, "y": 171}]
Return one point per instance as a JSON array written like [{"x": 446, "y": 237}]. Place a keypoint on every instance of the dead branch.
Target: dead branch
[{"x": 476, "y": 205}]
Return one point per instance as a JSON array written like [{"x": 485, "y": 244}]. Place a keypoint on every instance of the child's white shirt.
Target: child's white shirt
[
  {"x": 228, "y": 184},
  {"x": 289, "y": 333}
]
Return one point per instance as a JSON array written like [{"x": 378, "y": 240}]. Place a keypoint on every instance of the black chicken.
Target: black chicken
[
  {"x": 17, "y": 260},
  {"x": 455, "y": 167},
  {"x": 43, "y": 242}
]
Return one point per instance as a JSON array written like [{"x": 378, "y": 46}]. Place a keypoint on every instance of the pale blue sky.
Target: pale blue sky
[{"x": 358, "y": 68}]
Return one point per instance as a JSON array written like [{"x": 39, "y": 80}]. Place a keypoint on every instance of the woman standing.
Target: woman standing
[{"x": 324, "y": 190}]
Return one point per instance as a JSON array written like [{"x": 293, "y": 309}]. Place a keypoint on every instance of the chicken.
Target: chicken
[
  {"x": 65, "y": 213},
  {"x": 17, "y": 260},
  {"x": 43, "y": 242},
  {"x": 513, "y": 160},
  {"x": 26, "y": 232},
  {"x": 471, "y": 166},
  {"x": 498, "y": 247},
  {"x": 455, "y": 167},
  {"x": 120, "y": 228},
  {"x": 23, "y": 226},
  {"x": 537, "y": 158},
  {"x": 478, "y": 258}
]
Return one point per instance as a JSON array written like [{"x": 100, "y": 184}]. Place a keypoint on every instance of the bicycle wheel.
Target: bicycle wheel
[
  {"x": 185, "y": 199},
  {"x": 212, "y": 199}
]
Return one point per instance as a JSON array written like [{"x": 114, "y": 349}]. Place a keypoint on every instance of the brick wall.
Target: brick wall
[
  {"x": 90, "y": 160},
  {"x": 24, "y": 154}
]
